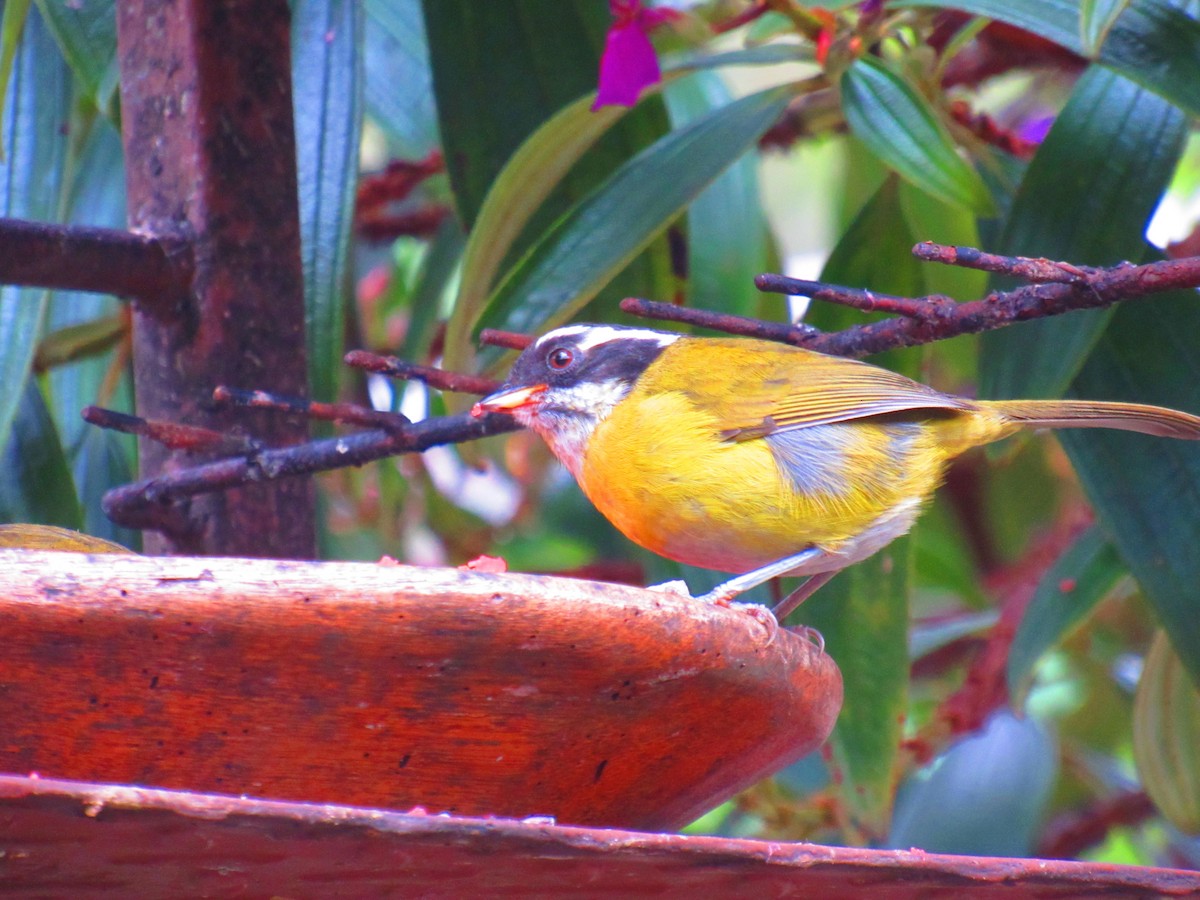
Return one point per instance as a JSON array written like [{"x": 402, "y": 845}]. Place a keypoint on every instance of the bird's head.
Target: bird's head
[{"x": 569, "y": 380}]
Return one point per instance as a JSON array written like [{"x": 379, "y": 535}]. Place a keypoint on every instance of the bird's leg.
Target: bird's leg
[
  {"x": 814, "y": 582},
  {"x": 725, "y": 592}
]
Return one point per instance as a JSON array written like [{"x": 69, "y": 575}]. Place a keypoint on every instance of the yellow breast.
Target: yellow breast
[{"x": 659, "y": 470}]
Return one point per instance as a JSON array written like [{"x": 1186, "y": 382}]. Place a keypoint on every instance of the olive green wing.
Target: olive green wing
[{"x": 780, "y": 388}]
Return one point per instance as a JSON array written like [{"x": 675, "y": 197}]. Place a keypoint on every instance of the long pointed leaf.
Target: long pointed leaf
[
  {"x": 598, "y": 238},
  {"x": 398, "y": 83},
  {"x": 1070, "y": 590},
  {"x": 36, "y": 484},
  {"x": 87, "y": 34},
  {"x": 327, "y": 78},
  {"x": 1106, "y": 160},
  {"x": 1147, "y": 490},
  {"x": 726, "y": 234},
  {"x": 35, "y": 108},
  {"x": 901, "y": 128},
  {"x": 863, "y": 612}
]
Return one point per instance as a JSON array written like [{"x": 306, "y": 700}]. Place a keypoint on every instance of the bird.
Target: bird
[{"x": 758, "y": 458}]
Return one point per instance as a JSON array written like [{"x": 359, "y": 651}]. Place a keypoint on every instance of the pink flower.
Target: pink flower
[{"x": 628, "y": 65}]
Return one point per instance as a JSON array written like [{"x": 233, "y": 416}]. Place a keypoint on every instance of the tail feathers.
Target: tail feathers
[{"x": 1155, "y": 420}]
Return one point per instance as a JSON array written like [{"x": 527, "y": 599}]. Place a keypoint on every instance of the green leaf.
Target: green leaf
[
  {"x": 863, "y": 615},
  {"x": 103, "y": 461},
  {"x": 398, "y": 83},
  {"x": 1067, "y": 593},
  {"x": 36, "y": 484},
  {"x": 86, "y": 32},
  {"x": 901, "y": 128},
  {"x": 597, "y": 238},
  {"x": 96, "y": 197},
  {"x": 1166, "y": 736},
  {"x": 1086, "y": 197},
  {"x": 1146, "y": 489},
  {"x": 327, "y": 87},
  {"x": 12, "y": 23},
  {"x": 727, "y": 234},
  {"x": 35, "y": 108},
  {"x": 863, "y": 612},
  {"x": 437, "y": 270},
  {"x": 530, "y": 177},
  {"x": 502, "y": 70},
  {"x": 1152, "y": 42},
  {"x": 1096, "y": 17}
]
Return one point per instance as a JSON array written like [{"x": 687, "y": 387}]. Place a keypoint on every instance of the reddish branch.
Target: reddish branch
[
  {"x": 171, "y": 435},
  {"x": 431, "y": 375},
  {"x": 1075, "y": 287},
  {"x": 343, "y": 413},
  {"x": 147, "y": 504},
  {"x": 104, "y": 260},
  {"x": 1058, "y": 288},
  {"x": 1073, "y": 833}
]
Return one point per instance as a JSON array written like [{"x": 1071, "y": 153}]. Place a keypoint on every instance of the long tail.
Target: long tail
[{"x": 1156, "y": 420}]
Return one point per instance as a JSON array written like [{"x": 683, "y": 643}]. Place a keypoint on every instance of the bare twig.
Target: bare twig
[
  {"x": 345, "y": 413},
  {"x": 1061, "y": 288},
  {"x": 171, "y": 434},
  {"x": 510, "y": 340},
  {"x": 1072, "y": 288},
  {"x": 431, "y": 375},
  {"x": 146, "y": 504}
]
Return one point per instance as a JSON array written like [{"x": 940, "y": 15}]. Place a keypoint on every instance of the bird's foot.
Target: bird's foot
[{"x": 808, "y": 633}]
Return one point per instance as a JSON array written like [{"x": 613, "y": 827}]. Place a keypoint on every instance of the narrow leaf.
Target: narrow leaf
[
  {"x": 1096, "y": 17},
  {"x": 901, "y": 128},
  {"x": 12, "y": 23},
  {"x": 1146, "y": 489},
  {"x": 327, "y": 84},
  {"x": 36, "y": 484},
  {"x": 726, "y": 233},
  {"x": 597, "y": 238},
  {"x": 863, "y": 612},
  {"x": 398, "y": 83},
  {"x": 1107, "y": 159},
  {"x": 86, "y": 32},
  {"x": 508, "y": 76},
  {"x": 1067, "y": 593},
  {"x": 1166, "y": 736},
  {"x": 31, "y": 130}
]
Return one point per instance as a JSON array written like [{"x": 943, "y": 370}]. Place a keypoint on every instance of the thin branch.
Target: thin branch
[
  {"x": 1061, "y": 288},
  {"x": 103, "y": 260},
  {"x": 1072, "y": 288},
  {"x": 171, "y": 435},
  {"x": 344, "y": 413},
  {"x": 510, "y": 340},
  {"x": 431, "y": 375},
  {"x": 146, "y": 504}
]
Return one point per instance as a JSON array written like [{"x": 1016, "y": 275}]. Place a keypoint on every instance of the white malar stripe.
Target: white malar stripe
[{"x": 593, "y": 335}]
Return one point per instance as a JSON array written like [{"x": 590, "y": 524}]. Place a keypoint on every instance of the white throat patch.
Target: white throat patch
[{"x": 572, "y": 414}]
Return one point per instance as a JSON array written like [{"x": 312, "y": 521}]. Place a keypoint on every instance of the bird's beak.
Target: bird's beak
[{"x": 509, "y": 401}]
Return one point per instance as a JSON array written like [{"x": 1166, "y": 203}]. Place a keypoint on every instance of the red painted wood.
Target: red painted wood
[
  {"x": 94, "y": 841},
  {"x": 394, "y": 686}
]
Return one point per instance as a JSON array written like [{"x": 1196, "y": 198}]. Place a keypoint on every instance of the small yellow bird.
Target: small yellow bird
[{"x": 754, "y": 457}]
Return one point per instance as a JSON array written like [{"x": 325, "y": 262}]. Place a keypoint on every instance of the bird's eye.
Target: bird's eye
[{"x": 560, "y": 358}]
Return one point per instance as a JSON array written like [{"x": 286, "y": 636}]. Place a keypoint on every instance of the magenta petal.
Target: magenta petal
[{"x": 627, "y": 67}]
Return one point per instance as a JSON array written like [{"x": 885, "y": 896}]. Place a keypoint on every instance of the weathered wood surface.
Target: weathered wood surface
[
  {"x": 394, "y": 687},
  {"x": 90, "y": 841}
]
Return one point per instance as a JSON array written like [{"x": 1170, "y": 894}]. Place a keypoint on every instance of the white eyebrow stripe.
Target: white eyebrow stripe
[{"x": 593, "y": 335}]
